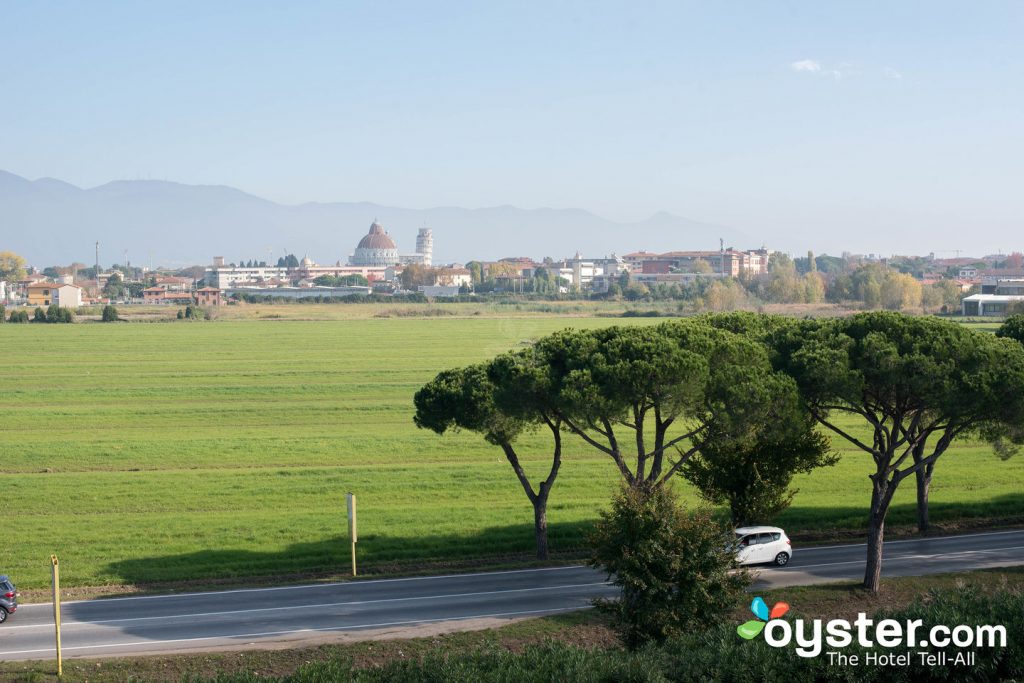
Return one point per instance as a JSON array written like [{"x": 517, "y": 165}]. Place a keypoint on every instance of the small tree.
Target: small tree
[
  {"x": 752, "y": 475},
  {"x": 675, "y": 568},
  {"x": 3, "y": 313},
  {"x": 57, "y": 314},
  {"x": 110, "y": 314},
  {"x": 39, "y": 315}
]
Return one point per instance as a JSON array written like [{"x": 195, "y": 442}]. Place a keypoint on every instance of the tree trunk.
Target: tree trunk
[
  {"x": 540, "y": 526},
  {"x": 924, "y": 484},
  {"x": 881, "y": 496}
]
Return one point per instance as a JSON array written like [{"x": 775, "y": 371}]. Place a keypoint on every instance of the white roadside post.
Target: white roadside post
[
  {"x": 353, "y": 533},
  {"x": 55, "y": 574}
]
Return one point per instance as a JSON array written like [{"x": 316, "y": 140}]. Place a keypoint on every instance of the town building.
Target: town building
[
  {"x": 161, "y": 295},
  {"x": 997, "y": 301},
  {"x": 67, "y": 295},
  {"x": 43, "y": 294},
  {"x": 40, "y": 294},
  {"x": 224, "y": 277},
  {"x": 439, "y": 291},
  {"x": 729, "y": 262},
  {"x": 208, "y": 296}
]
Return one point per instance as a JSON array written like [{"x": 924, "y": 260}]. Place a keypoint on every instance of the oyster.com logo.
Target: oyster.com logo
[{"x": 753, "y": 628}]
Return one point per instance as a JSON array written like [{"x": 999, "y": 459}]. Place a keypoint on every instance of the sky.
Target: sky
[{"x": 886, "y": 127}]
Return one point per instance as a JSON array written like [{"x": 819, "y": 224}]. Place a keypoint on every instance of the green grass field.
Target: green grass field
[{"x": 178, "y": 451}]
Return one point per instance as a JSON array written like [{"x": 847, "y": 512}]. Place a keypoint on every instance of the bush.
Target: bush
[
  {"x": 18, "y": 317},
  {"x": 3, "y": 313},
  {"x": 674, "y": 567},
  {"x": 54, "y": 314},
  {"x": 109, "y": 314},
  {"x": 191, "y": 312}
]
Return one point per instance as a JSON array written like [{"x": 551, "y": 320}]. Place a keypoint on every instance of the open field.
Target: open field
[{"x": 146, "y": 453}]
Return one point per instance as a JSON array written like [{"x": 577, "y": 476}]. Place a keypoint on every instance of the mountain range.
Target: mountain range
[{"x": 51, "y": 222}]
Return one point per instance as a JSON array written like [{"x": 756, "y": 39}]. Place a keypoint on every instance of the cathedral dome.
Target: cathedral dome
[
  {"x": 376, "y": 249},
  {"x": 376, "y": 239}
]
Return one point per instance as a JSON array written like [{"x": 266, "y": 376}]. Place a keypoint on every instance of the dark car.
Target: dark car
[{"x": 8, "y": 598}]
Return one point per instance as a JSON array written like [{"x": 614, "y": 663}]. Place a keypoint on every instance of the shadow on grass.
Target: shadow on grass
[
  {"x": 377, "y": 554},
  {"x": 380, "y": 554}
]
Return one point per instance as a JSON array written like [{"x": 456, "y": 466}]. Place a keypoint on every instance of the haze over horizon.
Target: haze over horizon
[{"x": 863, "y": 128}]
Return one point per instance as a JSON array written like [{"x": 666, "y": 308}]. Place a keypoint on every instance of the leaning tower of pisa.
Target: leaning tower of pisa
[{"x": 425, "y": 245}]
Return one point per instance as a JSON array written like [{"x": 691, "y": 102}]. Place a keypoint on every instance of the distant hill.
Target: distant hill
[{"x": 51, "y": 222}]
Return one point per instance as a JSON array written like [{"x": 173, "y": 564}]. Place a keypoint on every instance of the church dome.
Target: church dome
[
  {"x": 376, "y": 239},
  {"x": 376, "y": 249},
  {"x": 307, "y": 262}
]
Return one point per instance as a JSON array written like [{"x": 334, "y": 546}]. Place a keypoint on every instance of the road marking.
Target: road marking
[
  {"x": 320, "y": 606},
  {"x": 310, "y": 585},
  {"x": 307, "y": 630},
  {"x": 898, "y": 558},
  {"x": 910, "y": 540}
]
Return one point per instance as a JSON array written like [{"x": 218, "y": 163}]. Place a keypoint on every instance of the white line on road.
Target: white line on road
[
  {"x": 184, "y": 615},
  {"x": 901, "y": 558},
  {"x": 306, "y": 630},
  {"x": 910, "y": 540},
  {"x": 312, "y": 585}
]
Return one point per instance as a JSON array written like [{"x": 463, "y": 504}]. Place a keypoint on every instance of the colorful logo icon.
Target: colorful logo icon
[{"x": 752, "y": 628}]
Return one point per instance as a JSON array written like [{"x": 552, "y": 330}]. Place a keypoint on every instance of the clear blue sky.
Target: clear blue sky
[{"x": 877, "y": 126}]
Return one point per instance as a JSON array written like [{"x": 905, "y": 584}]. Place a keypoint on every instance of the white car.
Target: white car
[{"x": 763, "y": 544}]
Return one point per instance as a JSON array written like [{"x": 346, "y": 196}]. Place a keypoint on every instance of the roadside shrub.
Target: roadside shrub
[
  {"x": 191, "y": 312},
  {"x": 109, "y": 314},
  {"x": 39, "y": 316},
  {"x": 18, "y": 317},
  {"x": 674, "y": 566}
]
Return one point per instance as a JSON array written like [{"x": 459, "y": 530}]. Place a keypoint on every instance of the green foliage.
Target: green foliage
[
  {"x": 3, "y": 313},
  {"x": 54, "y": 314},
  {"x": 18, "y": 316},
  {"x": 191, "y": 312},
  {"x": 753, "y": 475},
  {"x": 675, "y": 568},
  {"x": 1012, "y": 328},
  {"x": 109, "y": 314},
  {"x": 657, "y": 388}
]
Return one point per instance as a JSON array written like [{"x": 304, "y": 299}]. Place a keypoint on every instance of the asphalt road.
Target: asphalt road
[{"x": 301, "y": 614}]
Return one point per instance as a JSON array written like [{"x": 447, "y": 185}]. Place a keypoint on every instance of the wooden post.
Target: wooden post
[
  {"x": 350, "y": 499},
  {"x": 55, "y": 573}
]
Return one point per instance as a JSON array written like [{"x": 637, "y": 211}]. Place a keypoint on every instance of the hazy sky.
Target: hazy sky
[{"x": 865, "y": 125}]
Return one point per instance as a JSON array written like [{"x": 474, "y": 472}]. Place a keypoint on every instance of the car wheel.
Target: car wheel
[
  {"x": 782, "y": 559},
  {"x": 3, "y": 615}
]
